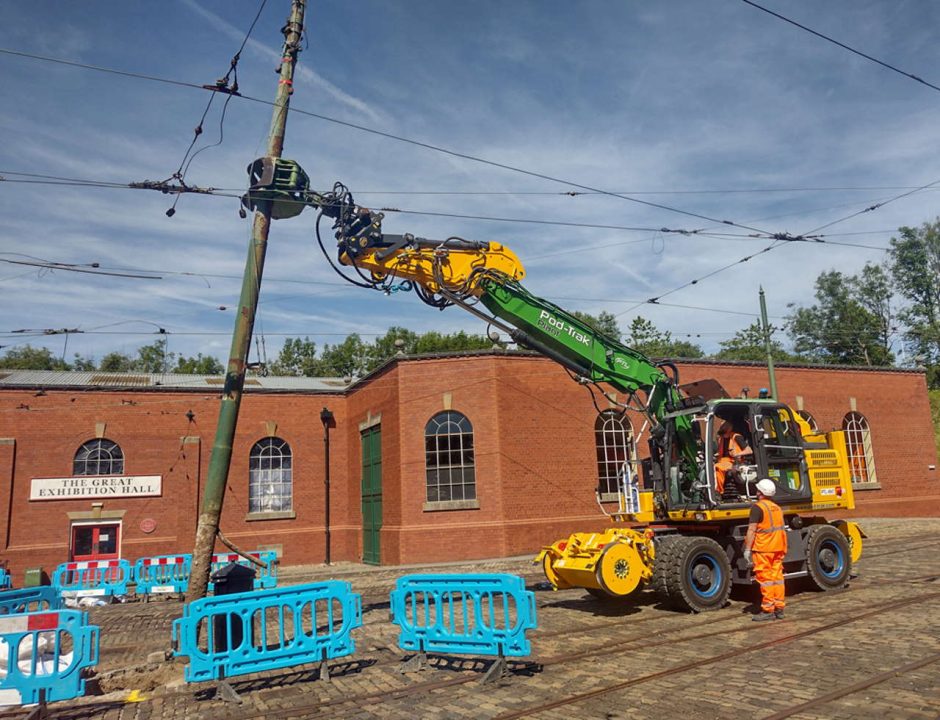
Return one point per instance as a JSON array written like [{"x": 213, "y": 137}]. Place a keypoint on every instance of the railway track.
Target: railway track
[{"x": 703, "y": 630}]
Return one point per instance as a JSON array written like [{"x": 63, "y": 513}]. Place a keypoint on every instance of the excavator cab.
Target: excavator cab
[{"x": 775, "y": 437}]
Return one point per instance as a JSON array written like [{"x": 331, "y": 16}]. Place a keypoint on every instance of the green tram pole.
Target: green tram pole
[
  {"x": 220, "y": 460},
  {"x": 767, "y": 347}
]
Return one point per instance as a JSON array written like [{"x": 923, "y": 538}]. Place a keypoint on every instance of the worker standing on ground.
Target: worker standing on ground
[
  {"x": 731, "y": 449},
  {"x": 766, "y": 545}
]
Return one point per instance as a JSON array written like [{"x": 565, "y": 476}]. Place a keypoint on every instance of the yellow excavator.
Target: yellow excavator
[{"x": 672, "y": 531}]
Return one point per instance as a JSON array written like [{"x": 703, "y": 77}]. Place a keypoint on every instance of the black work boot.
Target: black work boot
[
  {"x": 764, "y": 616},
  {"x": 778, "y": 613}
]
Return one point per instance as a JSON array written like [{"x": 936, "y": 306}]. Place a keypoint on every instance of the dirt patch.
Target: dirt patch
[{"x": 146, "y": 678}]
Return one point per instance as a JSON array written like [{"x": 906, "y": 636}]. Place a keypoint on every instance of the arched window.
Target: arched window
[
  {"x": 98, "y": 457},
  {"x": 448, "y": 457},
  {"x": 808, "y": 417},
  {"x": 858, "y": 445},
  {"x": 613, "y": 438},
  {"x": 270, "y": 485}
]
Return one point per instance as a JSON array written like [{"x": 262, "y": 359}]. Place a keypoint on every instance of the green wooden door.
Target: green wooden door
[{"x": 371, "y": 494}]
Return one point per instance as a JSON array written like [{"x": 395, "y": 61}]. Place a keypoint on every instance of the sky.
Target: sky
[{"x": 711, "y": 110}]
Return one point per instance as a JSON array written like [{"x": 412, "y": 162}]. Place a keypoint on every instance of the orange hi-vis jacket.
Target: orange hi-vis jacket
[
  {"x": 771, "y": 532},
  {"x": 728, "y": 445}
]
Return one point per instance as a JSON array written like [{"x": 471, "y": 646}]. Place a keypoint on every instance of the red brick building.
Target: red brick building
[{"x": 431, "y": 458}]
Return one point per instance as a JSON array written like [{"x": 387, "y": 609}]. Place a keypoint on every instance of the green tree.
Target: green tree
[
  {"x": 297, "y": 357},
  {"x": 841, "y": 328},
  {"x": 748, "y": 344},
  {"x": 388, "y": 345},
  {"x": 349, "y": 358},
  {"x": 85, "y": 364},
  {"x": 646, "y": 338},
  {"x": 154, "y": 358},
  {"x": 30, "y": 358},
  {"x": 432, "y": 342},
  {"x": 605, "y": 322},
  {"x": 116, "y": 362},
  {"x": 872, "y": 289},
  {"x": 199, "y": 365},
  {"x": 915, "y": 266}
]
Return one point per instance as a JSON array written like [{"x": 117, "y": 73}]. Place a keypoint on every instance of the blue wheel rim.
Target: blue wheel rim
[
  {"x": 714, "y": 574},
  {"x": 838, "y": 555}
]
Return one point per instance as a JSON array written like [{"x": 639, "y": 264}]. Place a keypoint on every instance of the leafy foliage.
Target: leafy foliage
[
  {"x": 353, "y": 357},
  {"x": 849, "y": 324},
  {"x": 748, "y": 344},
  {"x": 605, "y": 322},
  {"x": 646, "y": 338},
  {"x": 297, "y": 357},
  {"x": 915, "y": 267},
  {"x": 30, "y": 358},
  {"x": 152, "y": 358},
  {"x": 199, "y": 365}
]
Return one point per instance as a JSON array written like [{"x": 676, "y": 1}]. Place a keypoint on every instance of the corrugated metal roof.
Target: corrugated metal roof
[{"x": 170, "y": 381}]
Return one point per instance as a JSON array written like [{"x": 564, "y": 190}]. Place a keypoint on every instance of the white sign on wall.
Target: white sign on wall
[{"x": 76, "y": 488}]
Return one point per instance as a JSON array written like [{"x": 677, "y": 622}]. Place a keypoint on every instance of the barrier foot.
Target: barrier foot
[
  {"x": 224, "y": 691},
  {"x": 40, "y": 712},
  {"x": 418, "y": 661},
  {"x": 324, "y": 671},
  {"x": 497, "y": 671}
]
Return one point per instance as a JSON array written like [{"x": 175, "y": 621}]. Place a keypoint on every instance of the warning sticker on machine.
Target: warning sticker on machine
[{"x": 827, "y": 491}]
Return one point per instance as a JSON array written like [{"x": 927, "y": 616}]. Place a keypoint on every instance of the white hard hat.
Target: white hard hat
[{"x": 767, "y": 487}]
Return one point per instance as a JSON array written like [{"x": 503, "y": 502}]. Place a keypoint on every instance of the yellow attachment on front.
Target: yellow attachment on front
[
  {"x": 853, "y": 533},
  {"x": 615, "y": 561},
  {"x": 456, "y": 265}
]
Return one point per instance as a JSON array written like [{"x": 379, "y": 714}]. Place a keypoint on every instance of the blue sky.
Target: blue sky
[{"x": 643, "y": 98}]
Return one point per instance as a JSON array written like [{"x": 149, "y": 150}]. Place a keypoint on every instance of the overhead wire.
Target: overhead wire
[
  {"x": 216, "y": 192},
  {"x": 842, "y": 45},
  {"x": 425, "y": 145},
  {"x": 221, "y": 85},
  {"x": 778, "y": 237},
  {"x": 874, "y": 207}
]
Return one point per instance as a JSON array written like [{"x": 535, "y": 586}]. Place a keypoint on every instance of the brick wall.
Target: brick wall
[{"x": 534, "y": 456}]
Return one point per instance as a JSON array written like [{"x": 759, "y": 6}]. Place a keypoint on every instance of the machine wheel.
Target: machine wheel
[
  {"x": 599, "y": 594},
  {"x": 828, "y": 557},
  {"x": 553, "y": 577},
  {"x": 692, "y": 573},
  {"x": 619, "y": 569}
]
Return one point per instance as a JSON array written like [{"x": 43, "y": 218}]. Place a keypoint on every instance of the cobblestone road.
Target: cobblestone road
[{"x": 872, "y": 651}]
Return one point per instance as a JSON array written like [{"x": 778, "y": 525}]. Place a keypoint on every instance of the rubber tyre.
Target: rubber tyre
[
  {"x": 691, "y": 573},
  {"x": 828, "y": 557}
]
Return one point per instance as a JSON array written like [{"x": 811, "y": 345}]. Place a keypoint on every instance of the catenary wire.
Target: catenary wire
[
  {"x": 843, "y": 45},
  {"x": 665, "y": 230},
  {"x": 874, "y": 207},
  {"x": 410, "y": 141}
]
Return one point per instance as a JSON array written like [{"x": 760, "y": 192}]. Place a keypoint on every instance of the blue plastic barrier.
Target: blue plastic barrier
[
  {"x": 35, "y": 599},
  {"x": 250, "y": 632},
  {"x": 478, "y": 614},
  {"x": 6, "y": 582},
  {"x": 265, "y": 578},
  {"x": 162, "y": 574},
  {"x": 44, "y": 635},
  {"x": 92, "y": 577}
]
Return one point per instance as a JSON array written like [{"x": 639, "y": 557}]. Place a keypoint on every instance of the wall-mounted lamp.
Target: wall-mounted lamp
[
  {"x": 190, "y": 415},
  {"x": 326, "y": 417}
]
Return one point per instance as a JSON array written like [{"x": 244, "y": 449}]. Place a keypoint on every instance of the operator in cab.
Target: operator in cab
[
  {"x": 732, "y": 450},
  {"x": 766, "y": 545}
]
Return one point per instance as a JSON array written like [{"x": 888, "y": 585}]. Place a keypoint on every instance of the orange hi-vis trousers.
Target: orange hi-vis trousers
[
  {"x": 768, "y": 571},
  {"x": 721, "y": 469}
]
